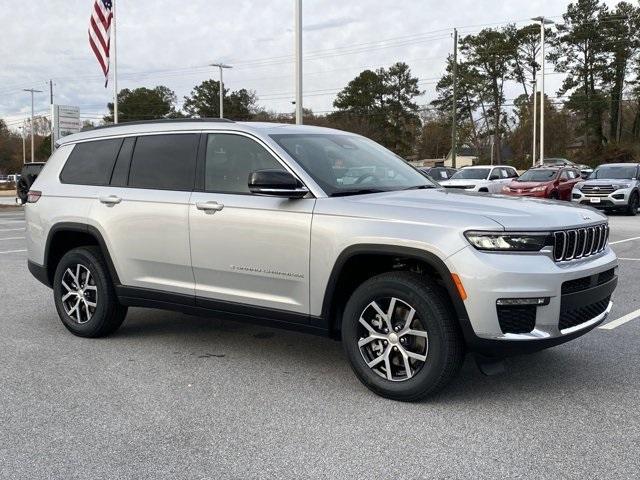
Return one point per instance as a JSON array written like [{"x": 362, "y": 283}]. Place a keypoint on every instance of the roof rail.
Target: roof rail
[{"x": 162, "y": 120}]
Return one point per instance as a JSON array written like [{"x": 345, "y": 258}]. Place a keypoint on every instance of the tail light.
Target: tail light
[{"x": 33, "y": 196}]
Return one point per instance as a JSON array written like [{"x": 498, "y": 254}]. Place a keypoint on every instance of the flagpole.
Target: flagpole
[{"x": 115, "y": 66}]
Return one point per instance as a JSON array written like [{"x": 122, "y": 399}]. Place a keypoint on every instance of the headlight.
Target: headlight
[
  {"x": 622, "y": 185},
  {"x": 506, "y": 189},
  {"x": 517, "y": 242},
  {"x": 538, "y": 189}
]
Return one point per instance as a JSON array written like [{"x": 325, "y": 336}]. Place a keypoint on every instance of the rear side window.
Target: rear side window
[
  {"x": 91, "y": 163},
  {"x": 164, "y": 162}
]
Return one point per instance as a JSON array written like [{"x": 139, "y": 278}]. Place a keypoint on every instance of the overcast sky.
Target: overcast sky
[{"x": 170, "y": 43}]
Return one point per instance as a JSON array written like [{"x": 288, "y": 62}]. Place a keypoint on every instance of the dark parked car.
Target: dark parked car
[
  {"x": 545, "y": 182},
  {"x": 28, "y": 175},
  {"x": 438, "y": 173}
]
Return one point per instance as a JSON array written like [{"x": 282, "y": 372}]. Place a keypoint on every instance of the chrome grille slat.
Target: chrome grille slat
[{"x": 576, "y": 243}]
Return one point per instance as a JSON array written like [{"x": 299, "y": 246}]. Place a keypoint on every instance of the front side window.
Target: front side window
[
  {"x": 348, "y": 165},
  {"x": 229, "y": 161},
  {"x": 91, "y": 163},
  {"x": 164, "y": 162}
]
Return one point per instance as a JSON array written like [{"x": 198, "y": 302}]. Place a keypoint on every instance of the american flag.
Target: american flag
[{"x": 100, "y": 33}]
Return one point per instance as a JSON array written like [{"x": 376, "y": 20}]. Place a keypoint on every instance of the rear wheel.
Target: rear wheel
[
  {"x": 401, "y": 336},
  {"x": 632, "y": 208},
  {"x": 84, "y": 294}
]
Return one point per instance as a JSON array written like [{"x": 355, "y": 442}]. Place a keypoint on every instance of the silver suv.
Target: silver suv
[
  {"x": 613, "y": 186},
  {"x": 267, "y": 223}
]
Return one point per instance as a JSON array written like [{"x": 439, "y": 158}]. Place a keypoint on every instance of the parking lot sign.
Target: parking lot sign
[{"x": 66, "y": 120}]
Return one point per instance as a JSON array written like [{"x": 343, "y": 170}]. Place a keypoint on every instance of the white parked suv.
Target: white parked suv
[
  {"x": 481, "y": 178},
  {"x": 254, "y": 222}
]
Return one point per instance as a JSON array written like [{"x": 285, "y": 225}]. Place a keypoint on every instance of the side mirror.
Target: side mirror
[
  {"x": 276, "y": 183},
  {"x": 563, "y": 180},
  {"x": 494, "y": 176}
]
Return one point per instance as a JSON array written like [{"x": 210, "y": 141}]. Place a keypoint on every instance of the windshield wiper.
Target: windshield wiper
[{"x": 360, "y": 191}]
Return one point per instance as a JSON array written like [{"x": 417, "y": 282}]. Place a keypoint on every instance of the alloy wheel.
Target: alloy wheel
[
  {"x": 392, "y": 339},
  {"x": 79, "y": 293}
]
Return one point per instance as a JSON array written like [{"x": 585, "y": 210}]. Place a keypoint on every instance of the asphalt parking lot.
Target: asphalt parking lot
[{"x": 175, "y": 396}]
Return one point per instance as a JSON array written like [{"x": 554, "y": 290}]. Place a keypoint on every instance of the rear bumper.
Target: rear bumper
[{"x": 39, "y": 272}]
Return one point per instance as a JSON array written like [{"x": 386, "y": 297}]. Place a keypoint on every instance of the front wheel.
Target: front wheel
[
  {"x": 632, "y": 208},
  {"x": 84, "y": 294},
  {"x": 554, "y": 196},
  {"x": 401, "y": 336}
]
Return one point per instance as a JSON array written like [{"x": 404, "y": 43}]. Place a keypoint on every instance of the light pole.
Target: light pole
[
  {"x": 298, "y": 58},
  {"x": 221, "y": 66},
  {"x": 32, "y": 142},
  {"x": 535, "y": 117},
  {"x": 24, "y": 146},
  {"x": 543, "y": 21}
]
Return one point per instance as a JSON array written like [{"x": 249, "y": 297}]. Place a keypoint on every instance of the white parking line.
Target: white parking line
[
  {"x": 4, "y": 222},
  {"x": 12, "y": 238},
  {"x": 12, "y": 229},
  {"x": 625, "y": 240},
  {"x": 12, "y": 251},
  {"x": 621, "y": 321},
  {"x": 632, "y": 259}
]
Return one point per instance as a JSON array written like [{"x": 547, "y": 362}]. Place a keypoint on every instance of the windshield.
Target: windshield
[
  {"x": 615, "y": 172},
  {"x": 537, "y": 176},
  {"x": 471, "y": 174},
  {"x": 347, "y": 164}
]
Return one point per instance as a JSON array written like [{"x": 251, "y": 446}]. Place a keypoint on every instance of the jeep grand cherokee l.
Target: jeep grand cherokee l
[{"x": 253, "y": 222}]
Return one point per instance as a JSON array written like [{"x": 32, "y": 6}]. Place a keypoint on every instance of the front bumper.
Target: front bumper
[
  {"x": 488, "y": 277},
  {"x": 617, "y": 199}
]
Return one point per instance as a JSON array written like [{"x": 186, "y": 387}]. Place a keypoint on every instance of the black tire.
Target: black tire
[
  {"x": 108, "y": 314},
  {"x": 445, "y": 348},
  {"x": 632, "y": 208},
  {"x": 554, "y": 196}
]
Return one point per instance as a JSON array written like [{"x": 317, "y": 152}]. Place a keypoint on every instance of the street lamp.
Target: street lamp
[
  {"x": 543, "y": 21},
  {"x": 32, "y": 92},
  {"x": 535, "y": 115},
  {"x": 221, "y": 66}
]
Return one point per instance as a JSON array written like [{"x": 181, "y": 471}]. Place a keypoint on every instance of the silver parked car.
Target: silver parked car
[
  {"x": 254, "y": 222},
  {"x": 484, "y": 179},
  {"x": 612, "y": 186}
]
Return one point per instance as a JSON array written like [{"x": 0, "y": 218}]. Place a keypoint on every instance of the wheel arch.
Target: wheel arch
[
  {"x": 65, "y": 236},
  {"x": 343, "y": 280}
]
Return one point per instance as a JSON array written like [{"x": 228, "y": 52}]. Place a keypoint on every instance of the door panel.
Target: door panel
[
  {"x": 147, "y": 234},
  {"x": 254, "y": 250}
]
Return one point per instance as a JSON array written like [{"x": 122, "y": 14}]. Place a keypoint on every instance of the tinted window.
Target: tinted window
[
  {"x": 121, "y": 170},
  {"x": 164, "y": 162},
  {"x": 229, "y": 161},
  {"x": 538, "y": 175},
  {"x": 91, "y": 163}
]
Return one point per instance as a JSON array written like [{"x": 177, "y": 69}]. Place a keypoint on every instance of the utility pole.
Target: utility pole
[
  {"x": 24, "y": 141},
  {"x": 32, "y": 123},
  {"x": 535, "y": 118},
  {"x": 52, "y": 113},
  {"x": 543, "y": 21},
  {"x": 298, "y": 55},
  {"x": 221, "y": 66},
  {"x": 454, "y": 119},
  {"x": 114, "y": 44}
]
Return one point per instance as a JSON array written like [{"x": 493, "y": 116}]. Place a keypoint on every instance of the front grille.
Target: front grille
[
  {"x": 580, "y": 284},
  {"x": 597, "y": 189},
  {"x": 580, "y": 242},
  {"x": 577, "y": 316},
  {"x": 461, "y": 187},
  {"x": 517, "y": 319}
]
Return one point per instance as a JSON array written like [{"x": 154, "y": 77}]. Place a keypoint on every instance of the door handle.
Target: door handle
[
  {"x": 209, "y": 206},
  {"x": 110, "y": 200}
]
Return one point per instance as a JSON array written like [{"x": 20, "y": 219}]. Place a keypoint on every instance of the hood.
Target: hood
[
  {"x": 464, "y": 210},
  {"x": 461, "y": 181},
  {"x": 604, "y": 181},
  {"x": 528, "y": 185}
]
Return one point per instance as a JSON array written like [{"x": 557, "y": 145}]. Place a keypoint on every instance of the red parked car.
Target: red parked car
[{"x": 545, "y": 182}]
